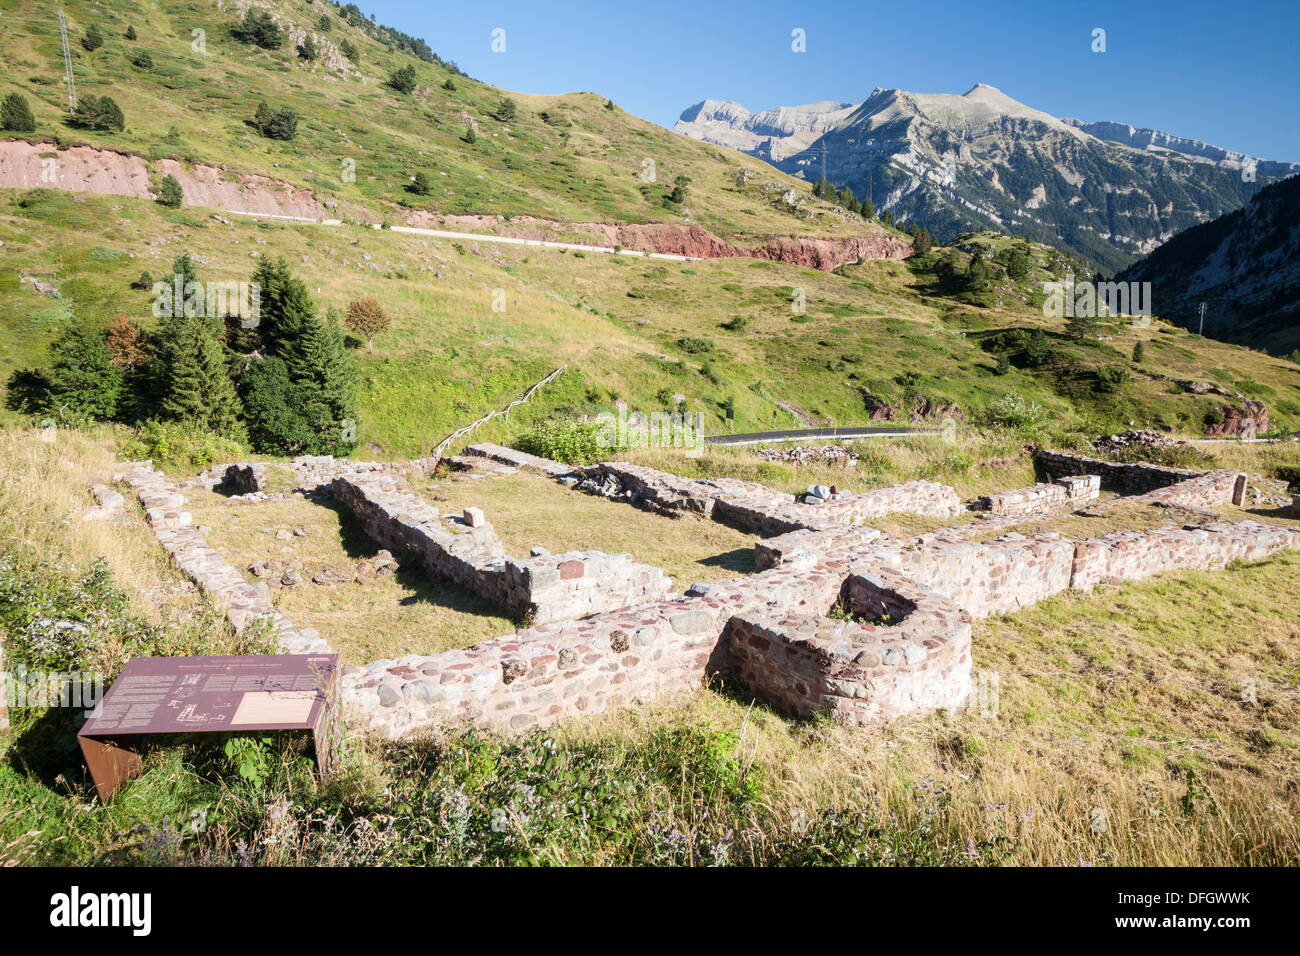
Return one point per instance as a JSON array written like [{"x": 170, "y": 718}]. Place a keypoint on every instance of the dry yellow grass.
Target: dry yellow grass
[
  {"x": 528, "y": 510},
  {"x": 407, "y": 613}
]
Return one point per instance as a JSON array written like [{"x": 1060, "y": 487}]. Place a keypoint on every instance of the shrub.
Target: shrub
[
  {"x": 737, "y": 323},
  {"x": 93, "y": 39},
  {"x": 307, "y": 50},
  {"x": 449, "y": 85},
  {"x": 100, "y": 113},
  {"x": 143, "y": 59},
  {"x": 1013, "y": 410},
  {"x": 180, "y": 445},
  {"x": 565, "y": 439},
  {"x": 275, "y": 124},
  {"x": 695, "y": 345},
  {"x": 470, "y": 136},
  {"x": 420, "y": 184},
  {"x": 170, "y": 192},
  {"x": 507, "y": 110},
  {"x": 403, "y": 80},
  {"x": 260, "y": 29},
  {"x": 16, "y": 115},
  {"x": 349, "y": 51},
  {"x": 130, "y": 33}
]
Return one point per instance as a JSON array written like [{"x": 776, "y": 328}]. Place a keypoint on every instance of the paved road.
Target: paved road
[
  {"x": 473, "y": 237},
  {"x": 813, "y": 434}
]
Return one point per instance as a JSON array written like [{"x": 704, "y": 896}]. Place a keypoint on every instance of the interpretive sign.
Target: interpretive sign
[{"x": 154, "y": 696}]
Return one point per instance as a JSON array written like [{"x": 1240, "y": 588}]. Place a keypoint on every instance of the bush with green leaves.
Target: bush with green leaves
[
  {"x": 16, "y": 115},
  {"x": 276, "y": 124},
  {"x": 420, "y": 184},
  {"x": 143, "y": 60},
  {"x": 259, "y": 28},
  {"x": 170, "y": 192},
  {"x": 694, "y": 345},
  {"x": 1013, "y": 410},
  {"x": 92, "y": 40},
  {"x": 179, "y": 445},
  {"x": 506, "y": 110},
  {"x": 565, "y": 439},
  {"x": 403, "y": 80},
  {"x": 99, "y": 113}
]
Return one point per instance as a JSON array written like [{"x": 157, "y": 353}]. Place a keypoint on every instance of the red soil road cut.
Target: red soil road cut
[
  {"x": 682, "y": 240},
  {"x": 25, "y": 165}
]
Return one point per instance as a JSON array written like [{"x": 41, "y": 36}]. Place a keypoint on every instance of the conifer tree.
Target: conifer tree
[
  {"x": 82, "y": 376},
  {"x": 16, "y": 115},
  {"x": 325, "y": 384},
  {"x": 199, "y": 389}
]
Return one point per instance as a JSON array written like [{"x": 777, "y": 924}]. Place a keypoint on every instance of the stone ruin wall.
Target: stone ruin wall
[
  {"x": 1128, "y": 479},
  {"x": 771, "y": 629},
  {"x": 245, "y": 605},
  {"x": 859, "y": 673},
  {"x": 1068, "y": 491},
  {"x": 540, "y": 589}
]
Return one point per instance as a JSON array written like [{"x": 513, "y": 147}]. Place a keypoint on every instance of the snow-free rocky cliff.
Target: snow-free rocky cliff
[{"x": 1106, "y": 192}]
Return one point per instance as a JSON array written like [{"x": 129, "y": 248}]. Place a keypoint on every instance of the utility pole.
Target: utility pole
[
  {"x": 823, "y": 162},
  {"x": 1202, "y": 329},
  {"x": 67, "y": 66}
]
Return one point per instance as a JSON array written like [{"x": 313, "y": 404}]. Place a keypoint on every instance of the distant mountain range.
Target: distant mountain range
[
  {"x": 1107, "y": 192},
  {"x": 1245, "y": 267}
]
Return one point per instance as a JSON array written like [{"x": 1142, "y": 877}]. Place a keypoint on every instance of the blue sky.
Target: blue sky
[{"x": 1226, "y": 72}]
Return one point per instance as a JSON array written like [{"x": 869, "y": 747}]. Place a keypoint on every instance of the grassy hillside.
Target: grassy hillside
[
  {"x": 631, "y": 329},
  {"x": 571, "y": 157}
]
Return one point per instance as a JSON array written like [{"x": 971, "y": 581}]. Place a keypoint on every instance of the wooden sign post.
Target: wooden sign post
[{"x": 155, "y": 696}]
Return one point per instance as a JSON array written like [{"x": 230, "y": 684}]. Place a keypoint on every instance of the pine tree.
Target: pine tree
[
  {"x": 403, "y": 80},
  {"x": 130, "y": 32},
  {"x": 868, "y": 209},
  {"x": 887, "y": 217},
  {"x": 93, "y": 39},
  {"x": 1082, "y": 327},
  {"x": 286, "y": 305},
  {"x": 170, "y": 192},
  {"x": 449, "y": 85},
  {"x": 262, "y": 118},
  {"x": 1139, "y": 353},
  {"x": 198, "y": 389},
  {"x": 420, "y": 184},
  {"x": 82, "y": 376},
  {"x": 325, "y": 385},
  {"x": 16, "y": 115}
]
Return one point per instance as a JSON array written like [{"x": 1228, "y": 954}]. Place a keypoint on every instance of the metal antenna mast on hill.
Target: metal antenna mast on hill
[
  {"x": 1202, "y": 329},
  {"x": 823, "y": 162},
  {"x": 67, "y": 65}
]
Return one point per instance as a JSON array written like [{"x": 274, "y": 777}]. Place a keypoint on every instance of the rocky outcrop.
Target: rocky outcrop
[{"x": 1250, "y": 418}]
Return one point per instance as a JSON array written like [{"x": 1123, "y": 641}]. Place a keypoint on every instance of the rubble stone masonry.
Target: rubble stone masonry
[
  {"x": 540, "y": 589},
  {"x": 245, "y": 604}
]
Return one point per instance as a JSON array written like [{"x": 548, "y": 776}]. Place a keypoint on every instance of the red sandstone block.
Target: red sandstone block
[{"x": 570, "y": 570}]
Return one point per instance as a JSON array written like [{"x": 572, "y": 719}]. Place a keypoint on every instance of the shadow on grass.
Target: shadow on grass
[{"x": 740, "y": 560}]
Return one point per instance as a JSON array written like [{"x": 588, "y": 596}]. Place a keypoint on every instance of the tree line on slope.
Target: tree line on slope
[{"x": 281, "y": 380}]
